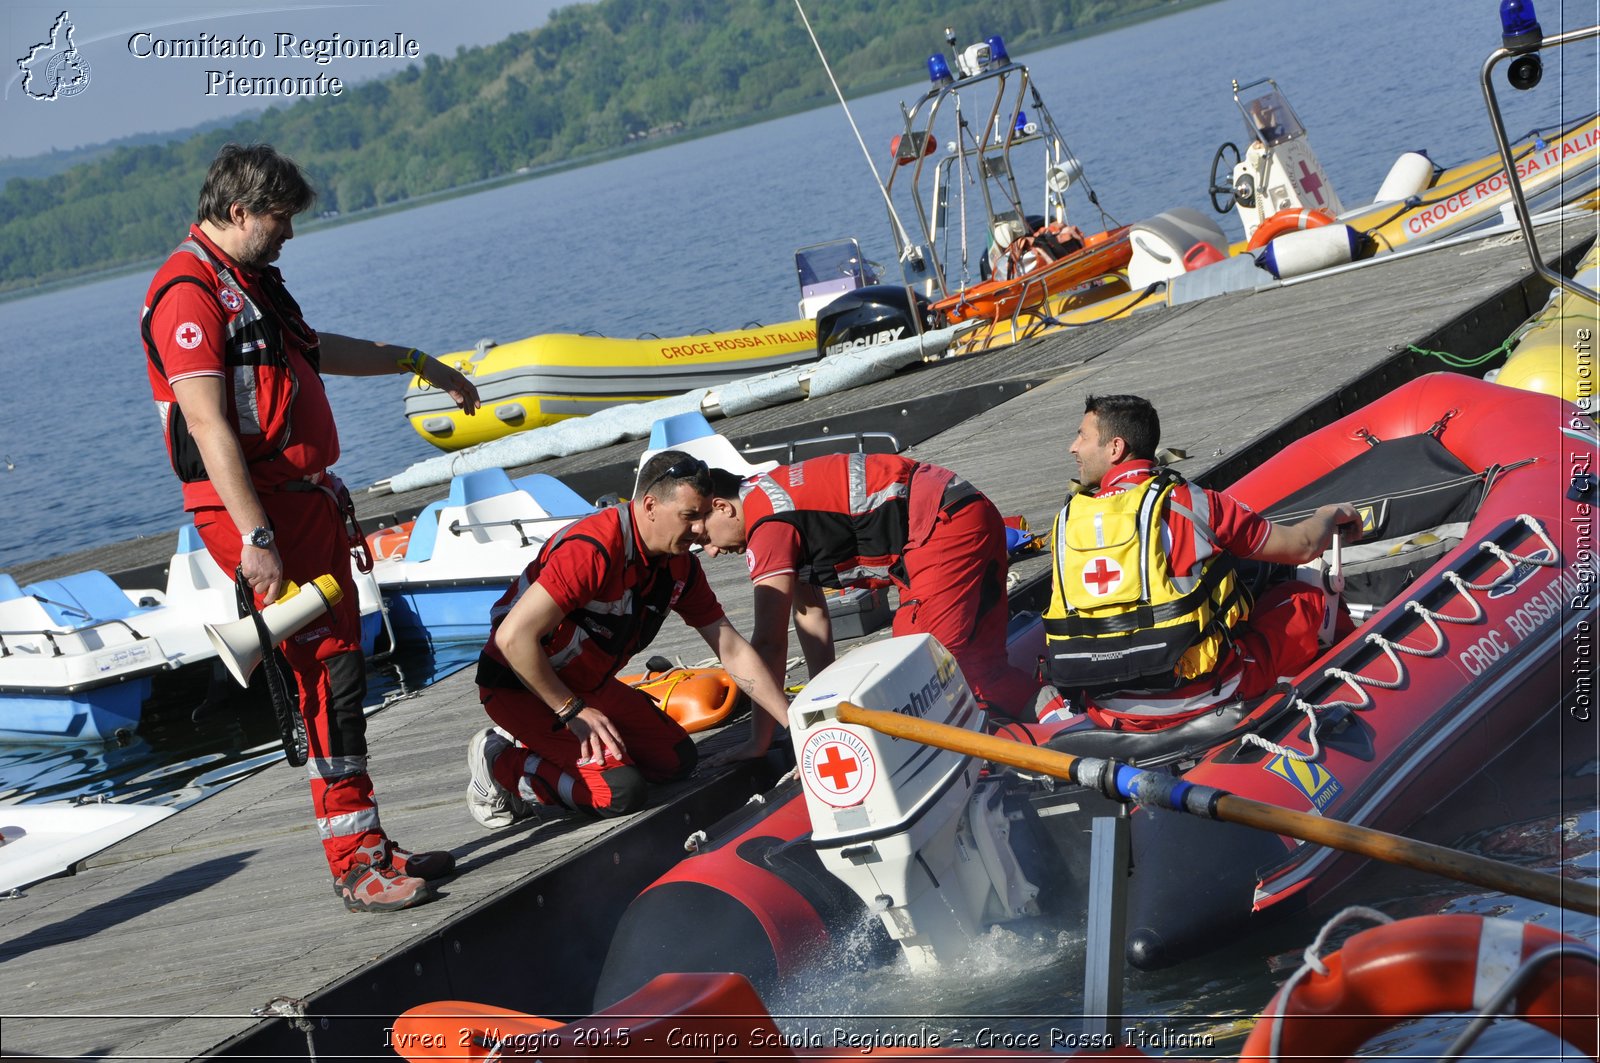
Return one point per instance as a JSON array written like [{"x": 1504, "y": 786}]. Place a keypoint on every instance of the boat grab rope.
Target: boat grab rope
[
  {"x": 1456, "y": 361},
  {"x": 1392, "y": 650},
  {"x": 294, "y": 1010}
]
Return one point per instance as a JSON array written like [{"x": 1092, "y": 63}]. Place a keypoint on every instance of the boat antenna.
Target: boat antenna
[{"x": 908, "y": 247}]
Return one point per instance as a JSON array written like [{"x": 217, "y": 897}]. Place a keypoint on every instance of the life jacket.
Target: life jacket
[
  {"x": 605, "y": 633},
  {"x": 261, "y": 383},
  {"x": 852, "y": 512},
  {"x": 1119, "y": 617}
]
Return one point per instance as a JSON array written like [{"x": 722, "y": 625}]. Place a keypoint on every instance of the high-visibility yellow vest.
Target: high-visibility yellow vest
[{"x": 1119, "y": 617}]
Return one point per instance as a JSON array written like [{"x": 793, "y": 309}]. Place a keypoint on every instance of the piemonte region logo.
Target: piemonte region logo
[{"x": 55, "y": 68}]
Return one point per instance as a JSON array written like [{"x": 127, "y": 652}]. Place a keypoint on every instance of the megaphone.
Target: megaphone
[{"x": 238, "y": 643}]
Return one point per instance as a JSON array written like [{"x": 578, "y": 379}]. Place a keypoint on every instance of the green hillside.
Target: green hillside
[{"x": 598, "y": 78}]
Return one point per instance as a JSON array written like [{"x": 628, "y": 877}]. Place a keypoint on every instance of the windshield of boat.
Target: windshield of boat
[
  {"x": 1267, "y": 115},
  {"x": 826, "y": 271}
]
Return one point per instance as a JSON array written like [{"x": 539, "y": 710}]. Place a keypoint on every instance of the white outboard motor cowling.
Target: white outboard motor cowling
[{"x": 914, "y": 830}]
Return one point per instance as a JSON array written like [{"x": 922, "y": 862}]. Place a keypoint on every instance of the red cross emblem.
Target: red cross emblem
[
  {"x": 230, "y": 299},
  {"x": 188, "y": 335},
  {"x": 837, "y": 767},
  {"x": 1102, "y": 576},
  {"x": 1310, "y": 183}
]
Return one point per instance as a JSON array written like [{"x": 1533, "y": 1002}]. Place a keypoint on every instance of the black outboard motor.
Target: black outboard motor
[{"x": 870, "y": 316}]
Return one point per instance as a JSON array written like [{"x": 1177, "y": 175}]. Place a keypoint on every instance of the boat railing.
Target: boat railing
[
  {"x": 991, "y": 145},
  {"x": 461, "y": 527},
  {"x": 862, "y": 440},
  {"x": 49, "y": 635},
  {"x": 1524, "y": 74}
]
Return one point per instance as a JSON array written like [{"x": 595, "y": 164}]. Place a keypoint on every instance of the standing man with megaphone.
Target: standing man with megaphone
[{"x": 235, "y": 372}]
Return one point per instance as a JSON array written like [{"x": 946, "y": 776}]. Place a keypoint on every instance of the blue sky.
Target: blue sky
[{"x": 125, "y": 93}]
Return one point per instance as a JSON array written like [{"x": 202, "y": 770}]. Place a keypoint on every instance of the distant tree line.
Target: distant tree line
[{"x": 596, "y": 78}]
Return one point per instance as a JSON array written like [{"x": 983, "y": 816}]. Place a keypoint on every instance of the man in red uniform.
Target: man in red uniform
[
  {"x": 596, "y": 595},
  {"x": 1115, "y": 449},
  {"x": 235, "y": 372},
  {"x": 872, "y": 520}
]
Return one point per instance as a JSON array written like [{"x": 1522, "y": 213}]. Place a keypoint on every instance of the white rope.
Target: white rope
[
  {"x": 294, "y": 1010},
  {"x": 1392, "y": 650},
  {"x": 1313, "y": 962}
]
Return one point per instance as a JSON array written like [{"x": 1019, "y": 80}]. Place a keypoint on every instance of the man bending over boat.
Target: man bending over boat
[
  {"x": 1148, "y": 621},
  {"x": 594, "y": 597},
  {"x": 236, "y": 375},
  {"x": 872, "y": 520}
]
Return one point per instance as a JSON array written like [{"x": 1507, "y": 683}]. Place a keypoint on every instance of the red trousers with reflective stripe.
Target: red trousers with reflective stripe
[
  {"x": 956, "y": 591},
  {"x": 311, "y": 539},
  {"x": 654, "y": 744}
]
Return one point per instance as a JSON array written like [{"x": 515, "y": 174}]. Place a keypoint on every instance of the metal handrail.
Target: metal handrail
[{"x": 1513, "y": 181}]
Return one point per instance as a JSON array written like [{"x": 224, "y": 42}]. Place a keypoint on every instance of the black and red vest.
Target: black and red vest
[{"x": 262, "y": 386}]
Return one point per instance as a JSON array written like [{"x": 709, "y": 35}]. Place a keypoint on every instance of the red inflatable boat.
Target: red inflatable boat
[{"x": 1473, "y": 589}]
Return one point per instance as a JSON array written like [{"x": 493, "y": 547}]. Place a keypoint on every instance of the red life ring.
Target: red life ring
[
  {"x": 1429, "y": 965},
  {"x": 1287, "y": 221}
]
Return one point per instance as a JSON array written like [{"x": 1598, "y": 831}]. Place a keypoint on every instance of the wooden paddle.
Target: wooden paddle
[{"x": 1164, "y": 791}]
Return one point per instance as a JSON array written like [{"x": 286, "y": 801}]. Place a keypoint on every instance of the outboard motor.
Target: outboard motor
[
  {"x": 918, "y": 833},
  {"x": 871, "y": 316}
]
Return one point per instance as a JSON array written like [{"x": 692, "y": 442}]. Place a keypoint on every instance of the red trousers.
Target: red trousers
[
  {"x": 955, "y": 590},
  {"x": 545, "y": 766},
  {"x": 325, "y": 657},
  {"x": 1278, "y": 641}
]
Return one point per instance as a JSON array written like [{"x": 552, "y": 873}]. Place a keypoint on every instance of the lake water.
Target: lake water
[{"x": 700, "y": 234}]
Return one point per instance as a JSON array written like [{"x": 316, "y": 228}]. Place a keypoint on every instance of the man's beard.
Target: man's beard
[{"x": 259, "y": 251}]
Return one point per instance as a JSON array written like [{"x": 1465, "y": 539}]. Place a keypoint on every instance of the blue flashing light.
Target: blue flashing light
[
  {"x": 997, "y": 50},
  {"x": 1518, "y": 20},
  {"x": 939, "y": 70},
  {"x": 1022, "y": 121}
]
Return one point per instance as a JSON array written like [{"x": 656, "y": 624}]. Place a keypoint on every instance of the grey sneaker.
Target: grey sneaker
[{"x": 491, "y": 804}]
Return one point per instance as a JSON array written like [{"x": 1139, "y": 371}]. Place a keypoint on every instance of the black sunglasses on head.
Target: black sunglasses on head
[{"x": 683, "y": 469}]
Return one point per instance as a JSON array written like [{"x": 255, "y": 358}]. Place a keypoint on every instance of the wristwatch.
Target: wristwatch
[{"x": 259, "y": 537}]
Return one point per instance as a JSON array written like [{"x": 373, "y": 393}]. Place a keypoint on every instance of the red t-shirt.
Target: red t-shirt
[
  {"x": 189, "y": 327},
  {"x": 773, "y": 549},
  {"x": 578, "y": 572}
]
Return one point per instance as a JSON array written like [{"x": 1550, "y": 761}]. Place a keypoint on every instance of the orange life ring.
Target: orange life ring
[
  {"x": 1287, "y": 221},
  {"x": 389, "y": 542},
  {"x": 697, "y": 698},
  {"x": 1424, "y": 966}
]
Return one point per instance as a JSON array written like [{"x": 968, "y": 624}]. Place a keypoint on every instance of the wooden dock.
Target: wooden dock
[{"x": 176, "y": 943}]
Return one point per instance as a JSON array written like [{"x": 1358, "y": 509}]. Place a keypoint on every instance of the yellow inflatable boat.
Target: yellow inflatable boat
[
  {"x": 1556, "y": 351},
  {"x": 544, "y": 379}
]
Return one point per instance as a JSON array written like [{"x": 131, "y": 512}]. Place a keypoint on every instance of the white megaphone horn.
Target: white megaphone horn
[{"x": 238, "y": 643}]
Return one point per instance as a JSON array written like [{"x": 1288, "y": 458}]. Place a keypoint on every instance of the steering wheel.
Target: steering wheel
[{"x": 1222, "y": 197}]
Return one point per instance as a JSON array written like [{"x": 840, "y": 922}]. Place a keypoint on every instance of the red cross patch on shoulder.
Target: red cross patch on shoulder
[{"x": 188, "y": 335}]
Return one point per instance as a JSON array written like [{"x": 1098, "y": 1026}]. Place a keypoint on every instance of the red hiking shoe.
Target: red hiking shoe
[{"x": 365, "y": 888}]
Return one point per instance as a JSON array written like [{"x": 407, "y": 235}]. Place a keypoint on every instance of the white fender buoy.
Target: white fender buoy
[
  {"x": 1306, "y": 250},
  {"x": 1410, "y": 175}
]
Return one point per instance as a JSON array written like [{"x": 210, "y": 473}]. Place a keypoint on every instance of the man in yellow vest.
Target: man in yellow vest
[{"x": 1147, "y": 622}]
